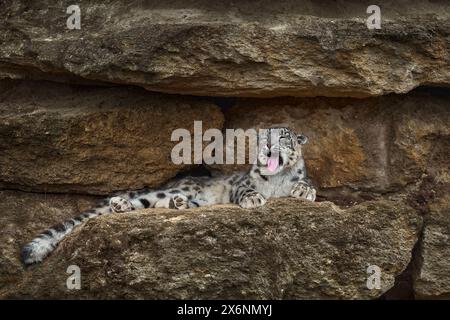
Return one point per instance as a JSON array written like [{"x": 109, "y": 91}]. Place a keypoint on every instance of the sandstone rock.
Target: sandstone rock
[
  {"x": 58, "y": 138},
  {"x": 432, "y": 280},
  {"x": 377, "y": 144},
  {"x": 264, "y": 49},
  {"x": 22, "y": 216},
  {"x": 421, "y": 140},
  {"x": 289, "y": 249}
]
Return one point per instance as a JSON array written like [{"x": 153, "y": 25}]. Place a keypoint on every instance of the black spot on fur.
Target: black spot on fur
[
  {"x": 295, "y": 179},
  {"x": 190, "y": 197},
  {"x": 145, "y": 203},
  {"x": 47, "y": 233},
  {"x": 26, "y": 253},
  {"x": 160, "y": 195},
  {"x": 132, "y": 194},
  {"x": 174, "y": 191},
  {"x": 195, "y": 203},
  {"x": 263, "y": 177},
  {"x": 185, "y": 188},
  {"x": 59, "y": 227}
]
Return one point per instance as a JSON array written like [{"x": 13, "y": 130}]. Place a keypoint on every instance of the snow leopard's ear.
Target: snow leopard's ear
[{"x": 302, "y": 139}]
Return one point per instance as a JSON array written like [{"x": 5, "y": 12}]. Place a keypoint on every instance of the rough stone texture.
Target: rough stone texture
[
  {"x": 421, "y": 140},
  {"x": 432, "y": 278},
  {"x": 289, "y": 249},
  {"x": 376, "y": 144},
  {"x": 58, "y": 138},
  {"x": 224, "y": 48},
  {"x": 22, "y": 216}
]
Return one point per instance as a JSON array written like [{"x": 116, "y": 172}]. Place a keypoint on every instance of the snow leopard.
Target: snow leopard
[{"x": 278, "y": 172}]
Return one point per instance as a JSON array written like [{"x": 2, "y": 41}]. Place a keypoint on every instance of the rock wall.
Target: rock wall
[
  {"x": 59, "y": 138},
  {"x": 84, "y": 113},
  {"x": 377, "y": 144}
]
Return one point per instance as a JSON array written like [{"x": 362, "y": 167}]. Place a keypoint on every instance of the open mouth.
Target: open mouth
[{"x": 274, "y": 162}]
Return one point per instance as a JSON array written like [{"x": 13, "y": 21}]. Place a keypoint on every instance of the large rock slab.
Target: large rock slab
[
  {"x": 59, "y": 138},
  {"x": 376, "y": 144},
  {"x": 289, "y": 249},
  {"x": 286, "y": 48}
]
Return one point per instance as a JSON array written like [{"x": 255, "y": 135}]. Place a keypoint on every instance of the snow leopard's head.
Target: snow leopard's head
[{"x": 279, "y": 148}]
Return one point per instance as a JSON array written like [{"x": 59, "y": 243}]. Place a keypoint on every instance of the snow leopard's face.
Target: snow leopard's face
[{"x": 279, "y": 148}]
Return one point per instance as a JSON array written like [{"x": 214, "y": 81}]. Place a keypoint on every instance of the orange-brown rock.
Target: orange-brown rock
[
  {"x": 59, "y": 138},
  {"x": 375, "y": 144}
]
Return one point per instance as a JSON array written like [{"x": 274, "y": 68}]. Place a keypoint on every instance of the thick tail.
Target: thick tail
[{"x": 44, "y": 244}]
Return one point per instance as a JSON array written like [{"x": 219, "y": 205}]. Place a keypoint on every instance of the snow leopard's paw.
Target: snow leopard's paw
[
  {"x": 304, "y": 191},
  {"x": 251, "y": 200},
  {"x": 119, "y": 204},
  {"x": 179, "y": 201}
]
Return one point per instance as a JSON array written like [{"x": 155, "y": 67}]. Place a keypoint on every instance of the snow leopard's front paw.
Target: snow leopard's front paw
[
  {"x": 304, "y": 191},
  {"x": 119, "y": 204},
  {"x": 179, "y": 201},
  {"x": 251, "y": 200}
]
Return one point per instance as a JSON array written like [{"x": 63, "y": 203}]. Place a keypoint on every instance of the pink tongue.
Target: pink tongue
[{"x": 272, "y": 164}]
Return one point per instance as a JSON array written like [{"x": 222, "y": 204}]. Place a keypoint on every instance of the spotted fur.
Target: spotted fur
[{"x": 249, "y": 190}]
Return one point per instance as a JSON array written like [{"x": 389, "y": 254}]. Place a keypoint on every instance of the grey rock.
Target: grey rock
[{"x": 264, "y": 49}]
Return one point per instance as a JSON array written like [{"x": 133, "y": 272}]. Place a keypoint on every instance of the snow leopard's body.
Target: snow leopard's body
[{"x": 285, "y": 178}]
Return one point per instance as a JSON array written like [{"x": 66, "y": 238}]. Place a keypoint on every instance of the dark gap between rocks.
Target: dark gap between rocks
[{"x": 403, "y": 288}]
